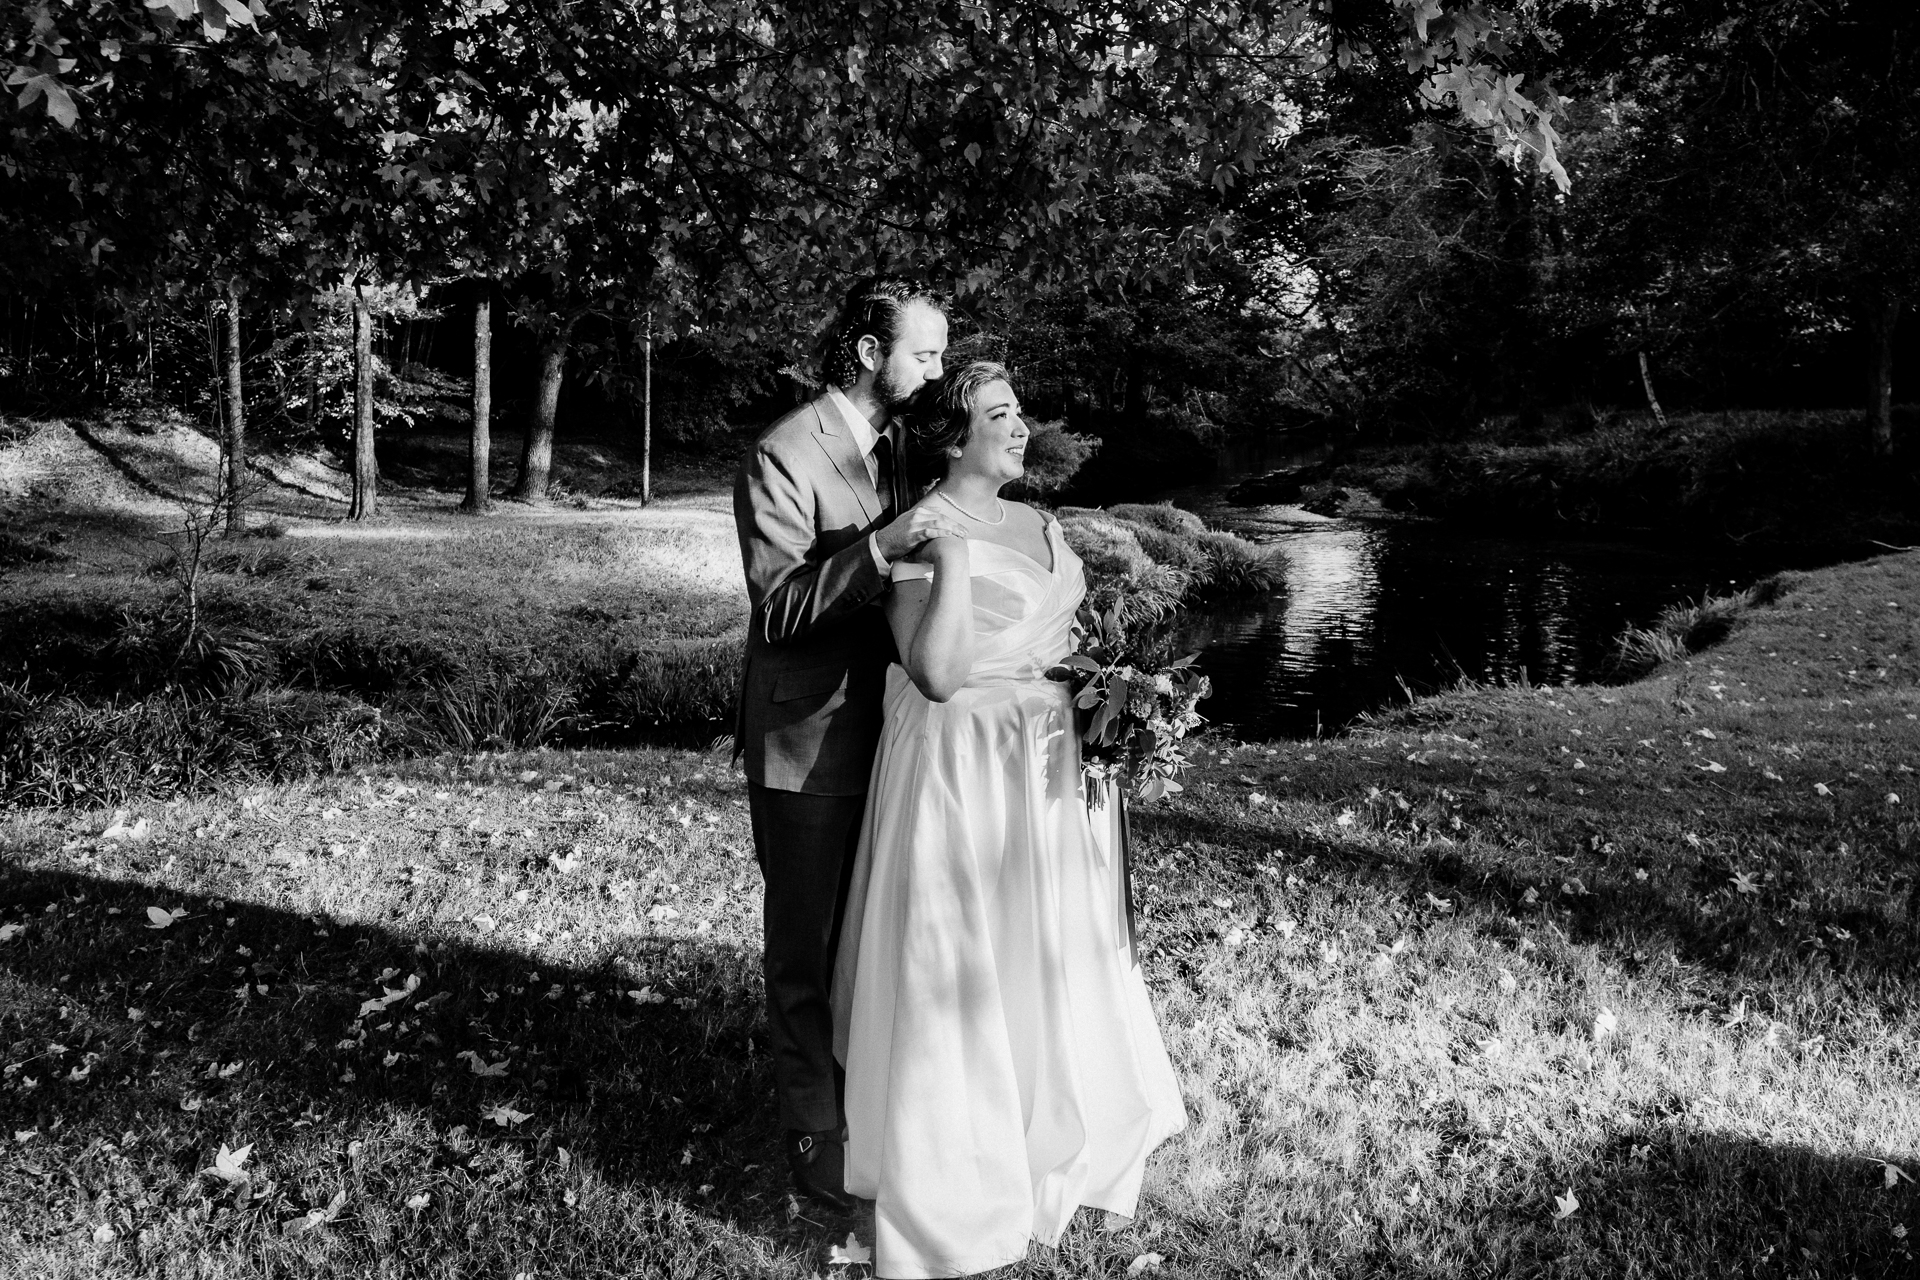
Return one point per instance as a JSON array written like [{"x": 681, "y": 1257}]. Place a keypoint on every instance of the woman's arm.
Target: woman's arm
[{"x": 933, "y": 622}]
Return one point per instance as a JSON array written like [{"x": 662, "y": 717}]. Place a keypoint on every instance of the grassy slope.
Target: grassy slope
[
  {"x": 1384, "y": 1017},
  {"x": 422, "y": 588}
]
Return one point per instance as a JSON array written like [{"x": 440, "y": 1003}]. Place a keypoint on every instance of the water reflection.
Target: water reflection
[{"x": 1372, "y": 612}]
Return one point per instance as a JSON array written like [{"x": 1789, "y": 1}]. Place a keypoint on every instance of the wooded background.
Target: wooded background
[{"x": 310, "y": 223}]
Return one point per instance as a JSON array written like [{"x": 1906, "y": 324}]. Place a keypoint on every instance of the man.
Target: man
[{"x": 821, "y": 512}]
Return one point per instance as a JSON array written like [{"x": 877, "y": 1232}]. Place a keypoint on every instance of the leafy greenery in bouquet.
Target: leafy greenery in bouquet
[{"x": 1132, "y": 714}]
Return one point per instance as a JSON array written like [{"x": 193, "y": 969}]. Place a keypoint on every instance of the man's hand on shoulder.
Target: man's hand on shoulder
[{"x": 911, "y": 529}]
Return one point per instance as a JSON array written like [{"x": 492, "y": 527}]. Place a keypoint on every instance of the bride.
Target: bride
[{"x": 1003, "y": 1066}]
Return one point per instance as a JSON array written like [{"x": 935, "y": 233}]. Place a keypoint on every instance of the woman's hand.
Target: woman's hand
[{"x": 946, "y": 552}]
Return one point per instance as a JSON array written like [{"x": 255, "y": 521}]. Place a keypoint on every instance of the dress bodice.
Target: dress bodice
[{"x": 1022, "y": 610}]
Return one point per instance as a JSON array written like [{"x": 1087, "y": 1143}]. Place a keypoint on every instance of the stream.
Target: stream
[{"x": 1372, "y": 612}]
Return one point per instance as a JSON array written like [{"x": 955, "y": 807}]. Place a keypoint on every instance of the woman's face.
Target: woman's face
[{"x": 997, "y": 446}]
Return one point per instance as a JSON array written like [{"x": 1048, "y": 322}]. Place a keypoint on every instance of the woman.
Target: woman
[{"x": 1003, "y": 1064}]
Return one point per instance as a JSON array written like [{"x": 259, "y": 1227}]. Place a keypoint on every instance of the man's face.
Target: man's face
[{"x": 914, "y": 359}]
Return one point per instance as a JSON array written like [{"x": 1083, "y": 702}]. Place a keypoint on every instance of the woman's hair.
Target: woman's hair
[
  {"x": 875, "y": 306},
  {"x": 947, "y": 420}
]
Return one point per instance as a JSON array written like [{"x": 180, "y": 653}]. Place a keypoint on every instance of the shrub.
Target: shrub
[
  {"x": 1054, "y": 455},
  {"x": 164, "y": 649}
]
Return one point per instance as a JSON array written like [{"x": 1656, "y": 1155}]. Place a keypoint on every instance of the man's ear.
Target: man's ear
[{"x": 867, "y": 349}]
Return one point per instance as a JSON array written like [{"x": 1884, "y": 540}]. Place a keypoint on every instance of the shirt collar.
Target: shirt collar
[{"x": 863, "y": 433}]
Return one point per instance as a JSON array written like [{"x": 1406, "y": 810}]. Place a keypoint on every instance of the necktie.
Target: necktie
[{"x": 883, "y": 474}]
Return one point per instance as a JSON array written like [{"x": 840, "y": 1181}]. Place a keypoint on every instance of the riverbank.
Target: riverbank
[
  {"x": 144, "y": 653},
  {"x": 1806, "y": 478},
  {"x": 1569, "y": 981}
]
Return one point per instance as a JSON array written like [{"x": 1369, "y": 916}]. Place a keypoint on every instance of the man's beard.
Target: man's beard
[{"x": 897, "y": 386}]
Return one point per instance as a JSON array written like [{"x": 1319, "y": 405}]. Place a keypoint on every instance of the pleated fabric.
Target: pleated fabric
[{"x": 1003, "y": 1062}]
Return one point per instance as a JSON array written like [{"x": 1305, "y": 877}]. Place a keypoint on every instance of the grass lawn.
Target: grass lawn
[{"x": 1557, "y": 982}]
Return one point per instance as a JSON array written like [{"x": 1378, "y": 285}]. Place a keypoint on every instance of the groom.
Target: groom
[{"x": 822, "y": 512}]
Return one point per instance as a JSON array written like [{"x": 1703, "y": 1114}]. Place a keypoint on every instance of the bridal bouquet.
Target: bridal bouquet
[{"x": 1133, "y": 715}]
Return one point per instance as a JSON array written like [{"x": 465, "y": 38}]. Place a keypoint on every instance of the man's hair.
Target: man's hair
[
  {"x": 947, "y": 421},
  {"x": 875, "y": 306}
]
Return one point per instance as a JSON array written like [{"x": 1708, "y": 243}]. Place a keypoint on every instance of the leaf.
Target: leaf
[
  {"x": 1144, "y": 1263},
  {"x": 504, "y": 1115},
  {"x": 104, "y": 1234},
  {"x": 230, "y": 1166},
  {"x": 1439, "y": 904},
  {"x": 161, "y": 918},
  {"x": 1822, "y": 789},
  {"x": 1604, "y": 1024},
  {"x": 8, "y": 932},
  {"x": 419, "y": 1202},
  {"x": 1894, "y": 1174},
  {"x": 1565, "y": 1206},
  {"x": 850, "y": 1254}
]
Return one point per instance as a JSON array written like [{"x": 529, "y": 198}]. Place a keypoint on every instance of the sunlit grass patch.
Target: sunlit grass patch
[{"x": 1572, "y": 982}]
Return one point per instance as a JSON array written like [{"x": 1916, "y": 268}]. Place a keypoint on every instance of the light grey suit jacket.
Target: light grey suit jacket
[{"x": 818, "y": 644}]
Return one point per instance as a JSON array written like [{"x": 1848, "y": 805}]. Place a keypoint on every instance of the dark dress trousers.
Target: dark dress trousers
[{"x": 808, "y": 720}]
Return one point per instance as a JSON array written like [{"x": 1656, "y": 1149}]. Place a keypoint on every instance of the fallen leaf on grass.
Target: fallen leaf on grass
[
  {"x": 25, "y": 1135},
  {"x": 504, "y": 1115},
  {"x": 1771, "y": 776},
  {"x": 104, "y": 1234},
  {"x": 1144, "y": 1263},
  {"x": 660, "y": 913},
  {"x": 161, "y": 918},
  {"x": 1565, "y": 1206},
  {"x": 1113, "y": 1222},
  {"x": 1439, "y": 904},
  {"x": 1604, "y": 1024},
  {"x": 565, "y": 866},
  {"x": 1822, "y": 789},
  {"x": 316, "y": 1217},
  {"x": 1894, "y": 1174},
  {"x": 230, "y": 1166},
  {"x": 1743, "y": 882},
  {"x": 119, "y": 830},
  {"x": 419, "y": 1202},
  {"x": 1507, "y": 983},
  {"x": 852, "y": 1253},
  {"x": 1713, "y": 766},
  {"x": 8, "y": 932},
  {"x": 479, "y": 1068}
]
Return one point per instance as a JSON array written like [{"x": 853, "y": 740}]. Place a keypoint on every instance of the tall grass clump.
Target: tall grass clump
[
  {"x": 495, "y": 710},
  {"x": 1210, "y": 565},
  {"x": 679, "y": 684},
  {"x": 57, "y": 749},
  {"x": 1121, "y": 576},
  {"x": 1683, "y": 629}
]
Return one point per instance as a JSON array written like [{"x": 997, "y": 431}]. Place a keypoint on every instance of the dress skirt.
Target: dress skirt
[{"x": 1003, "y": 1063}]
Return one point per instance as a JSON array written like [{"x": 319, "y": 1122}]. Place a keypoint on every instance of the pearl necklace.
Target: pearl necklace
[{"x": 1001, "y": 519}]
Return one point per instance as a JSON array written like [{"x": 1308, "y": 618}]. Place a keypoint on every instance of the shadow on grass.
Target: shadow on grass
[
  {"x": 242, "y": 1024},
  {"x": 1763, "y": 940}
]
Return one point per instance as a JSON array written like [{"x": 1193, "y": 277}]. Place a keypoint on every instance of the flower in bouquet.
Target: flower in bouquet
[{"x": 1132, "y": 716}]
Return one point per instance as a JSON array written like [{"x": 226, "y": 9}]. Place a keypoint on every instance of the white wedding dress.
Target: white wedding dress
[{"x": 1003, "y": 1063}]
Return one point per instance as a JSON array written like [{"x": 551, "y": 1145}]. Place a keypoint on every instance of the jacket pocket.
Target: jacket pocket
[{"x": 808, "y": 682}]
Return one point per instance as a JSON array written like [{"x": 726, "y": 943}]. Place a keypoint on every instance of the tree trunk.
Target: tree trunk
[
  {"x": 480, "y": 443},
  {"x": 536, "y": 456},
  {"x": 1646, "y": 383},
  {"x": 366, "y": 478},
  {"x": 235, "y": 443},
  {"x": 646, "y": 418},
  {"x": 1883, "y": 318}
]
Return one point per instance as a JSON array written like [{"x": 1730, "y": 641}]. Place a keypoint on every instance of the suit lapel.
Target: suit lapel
[{"x": 837, "y": 442}]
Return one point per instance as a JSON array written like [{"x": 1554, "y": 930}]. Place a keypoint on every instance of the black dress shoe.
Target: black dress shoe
[{"x": 819, "y": 1161}]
